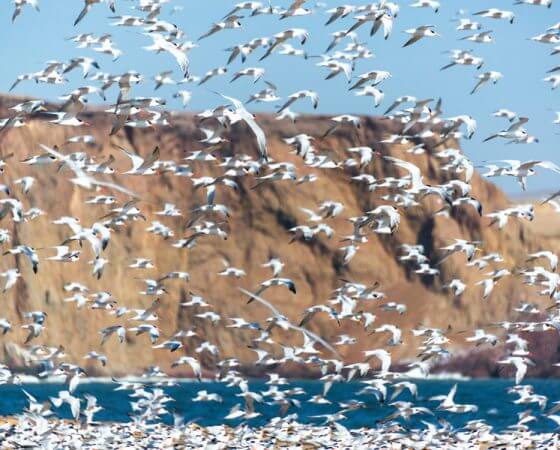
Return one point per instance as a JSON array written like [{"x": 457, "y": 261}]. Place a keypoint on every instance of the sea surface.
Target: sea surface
[{"x": 495, "y": 404}]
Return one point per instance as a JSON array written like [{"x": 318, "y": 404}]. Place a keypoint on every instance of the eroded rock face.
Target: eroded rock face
[{"x": 258, "y": 228}]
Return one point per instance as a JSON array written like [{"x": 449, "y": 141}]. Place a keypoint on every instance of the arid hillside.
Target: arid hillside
[{"x": 257, "y": 229}]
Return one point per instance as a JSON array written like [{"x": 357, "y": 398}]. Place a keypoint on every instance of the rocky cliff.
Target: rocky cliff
[{"x": 258, "y": 228}]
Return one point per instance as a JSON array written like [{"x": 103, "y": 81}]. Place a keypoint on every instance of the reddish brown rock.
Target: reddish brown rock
[{"x": 258, "y": 228}]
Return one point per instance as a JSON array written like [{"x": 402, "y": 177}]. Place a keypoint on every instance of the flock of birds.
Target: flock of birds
[{"x": 420, "y": 119}]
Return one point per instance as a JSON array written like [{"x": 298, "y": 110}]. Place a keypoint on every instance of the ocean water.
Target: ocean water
[{"x": 495, "y": 404}]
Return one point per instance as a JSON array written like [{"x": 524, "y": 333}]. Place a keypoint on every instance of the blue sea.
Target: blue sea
[{"x": 495, "y": 404}]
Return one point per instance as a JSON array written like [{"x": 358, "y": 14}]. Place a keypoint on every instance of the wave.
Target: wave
[{"x": 419, "y": 374}]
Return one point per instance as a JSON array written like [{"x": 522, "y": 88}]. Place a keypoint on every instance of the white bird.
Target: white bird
[
  {"x": 375, "y": 77},
  {"x": 551, "y": 257},
  {"x": 383, "y": 355},
  {"x": 98, "y": 357},
  {"x": 395, "y": 331},
  {"x": 64, "y": 254},
  {"x": 425, "y": 269},
  {"x": 485, "y": 77},
  {"x": 98, "y": 266},
  {"x": 141, "y": 263},
  {"x": 160, "y": 43},
  {"x": 255, "y": 72},
  {"x": 204, "y": 396},
  {"x": 279, "y": 38},
  {"x": 546, "y": 3},
  {"x": 68, "y": 119},
  {"x": 448, "y": 403},
  {"x": 29, "y": 252},
  {"x": 275, "y": 265},
  {"x": 152, "y": 330},
  {"x": 554, "y": 80},
  {"x": 185, "y": 96},
  {"x": 339, "y": 12},
  {"x": 141, "y": 166},
  {"x": 509, "y": 115},
  {"x": 433, "y": 4},
  {"x": 81, "y": 178},
  {"x": 254, "y": 7},
  {"x": 494, "y": 13},
  {"x": 489, "y": 283},
  {"x": 11, "y": 276},
  {"x": 371, "y": 91},
  {"x": 5, "y": 325},
  {"x": 241, "y": 113},
  {"x": 19, "y": 4},
  {"x": 484, "y": 37},
  {"x": 460, "y": 245},
  {"x": 468, "y": 25},
  {"x": 230, "y": 271},
  {"x": 312, "y": 95},
  {"x": 481, "y": 337},
  {"x": 108, "y": 331},
  {"x": 88, "y": 5},
  {"x": 456, "y": 286},
  {"x": 34, "y": 330},
  {"x": 230, "y": 22},
  {"x": 68, "y": 398},
  {"x": 419, "y": 33},
  {"x": 211, "y": 74},
  {"x": 520, "y": 364}
]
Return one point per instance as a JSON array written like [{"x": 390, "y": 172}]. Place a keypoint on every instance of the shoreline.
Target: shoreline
[{"x": 30, "y": 379}]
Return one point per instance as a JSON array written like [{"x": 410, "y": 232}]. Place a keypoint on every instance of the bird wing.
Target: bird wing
[
  {"x": 287, "y": 104},
  {"x": 387, "y": 22},
  {"x": 137, "y": 161},
  {"x": 114, "y": 186},
  {"x": 385, "y": 358},
  {"x": 411, "y": 168},
  {"x": 250, "y": 121},
  {"x": 478, "y": 85},
  {"x": 150, "y": 160},
  {"x": 63, "y": 158},
  {"x": 259, "y": 133},
  {"x": 449, "y": 399},
  {"x": 415, "y": 38},
  {"x": 82, "y": 14},
  {"x": 528, "y": 164},
  {"x": 295, "y": 5},
  {"x": 521, "y": 370},
  {"x": 549, "y": 165},
  {"x": 488, "y": 287},
  {"x": 520, "y": 122},
  {"x": 173, "y": 50}
]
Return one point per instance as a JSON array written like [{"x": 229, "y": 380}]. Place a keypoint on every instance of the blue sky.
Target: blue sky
[{"x": 38, "y": 37}]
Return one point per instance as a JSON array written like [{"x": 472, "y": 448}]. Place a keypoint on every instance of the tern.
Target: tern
[
  {"x": 141, "y": 166},
  {"x": 19, "y": 4},
  {"x": 162, "y": 44},
  {"x": 494, "y": 13},
  {"x": 241, "y": 113},
  {"x": 88, "y": 5},
  {"x": 419, "y": 33}
]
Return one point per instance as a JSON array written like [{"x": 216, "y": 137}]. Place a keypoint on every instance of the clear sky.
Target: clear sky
[{"x": 39, "y": 37}]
